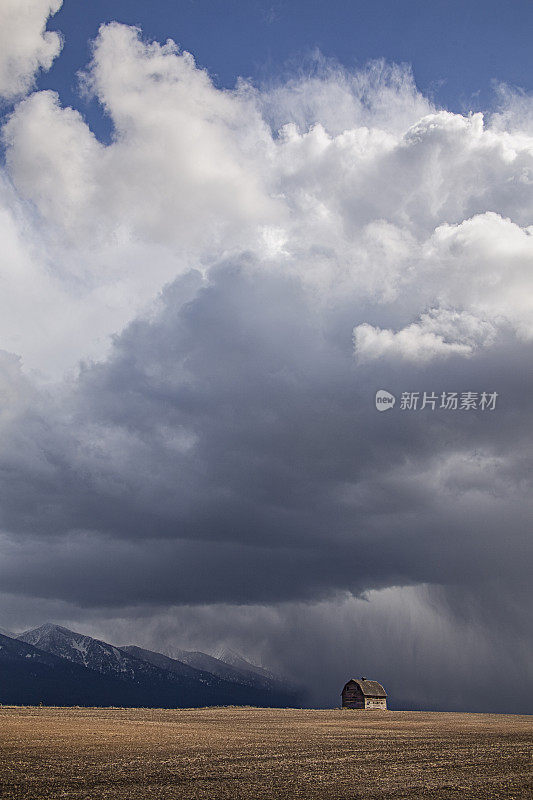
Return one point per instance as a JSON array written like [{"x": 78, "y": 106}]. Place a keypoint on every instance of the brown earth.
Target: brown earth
[{"x": 262, "y": 754}]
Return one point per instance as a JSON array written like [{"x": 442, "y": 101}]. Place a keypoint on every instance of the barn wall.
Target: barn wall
[
  {"x": 376, "y": 702},
  {"x": 352, "y": 697}
]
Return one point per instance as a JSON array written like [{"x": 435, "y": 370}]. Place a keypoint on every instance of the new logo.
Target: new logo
[{"x": 384, "y": 400}]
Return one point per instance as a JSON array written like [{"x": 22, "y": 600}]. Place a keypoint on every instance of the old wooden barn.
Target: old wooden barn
[{"x": 362, "y": 693}]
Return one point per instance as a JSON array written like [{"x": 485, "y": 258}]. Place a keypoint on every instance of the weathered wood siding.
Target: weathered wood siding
[
  {"x": 376, "y": 702},
  {"x": 352, "y": 696}
]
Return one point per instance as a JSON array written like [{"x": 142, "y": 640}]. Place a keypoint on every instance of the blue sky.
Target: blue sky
[{"x": 456, "y": 48}]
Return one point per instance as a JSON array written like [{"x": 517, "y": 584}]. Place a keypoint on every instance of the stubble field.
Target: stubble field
[{"x": 261, "y": 754}]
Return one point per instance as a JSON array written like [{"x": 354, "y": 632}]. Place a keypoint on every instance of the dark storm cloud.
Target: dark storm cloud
[{"x": 229, "y": 450}]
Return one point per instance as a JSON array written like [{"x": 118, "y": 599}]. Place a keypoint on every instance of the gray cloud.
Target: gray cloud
[{"x": 229, "y": 451}]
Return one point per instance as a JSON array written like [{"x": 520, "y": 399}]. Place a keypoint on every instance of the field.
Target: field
[{"x": 261, "y": 754}]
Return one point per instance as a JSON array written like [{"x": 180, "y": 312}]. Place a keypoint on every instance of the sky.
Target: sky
[
  {"x": 456, "y": 48},
  {"x": 225, "y": 228}
]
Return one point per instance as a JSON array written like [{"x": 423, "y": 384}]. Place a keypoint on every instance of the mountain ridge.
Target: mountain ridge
[{"x": 145, "y": 677}]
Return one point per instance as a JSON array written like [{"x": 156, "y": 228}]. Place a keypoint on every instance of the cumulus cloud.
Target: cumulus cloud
[
  {"x": 195, "y": 319},
  {"x": 400, "y": 199},
  {"x": 382, "y": 96},
  {"x": 438, "y": 334},
  {"x": 25, "y": 45},
  {"x": 184, "y": 159}
]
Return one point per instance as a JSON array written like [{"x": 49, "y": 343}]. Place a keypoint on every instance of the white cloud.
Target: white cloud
[
  {"x": 515, "y": 111},
  {"x": 382, "y": 96},
  {"x": 413, "y": 343},
  {"x": 485, "y": 265},
  {"x": 25, "y": 45},
  {"x": 367, "y": 192}
]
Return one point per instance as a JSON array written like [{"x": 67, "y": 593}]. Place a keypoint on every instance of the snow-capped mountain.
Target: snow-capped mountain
[
  {"x": 92, "y": 653},
  {"x": 155, "y": 678},
  {"x": 29, "y": 676},
  {"x": 130, "y": 662},
  {"x": 165, "y": 662},
  {"x": 11, "y": 650},
  {"x": 239, "y": 662},
  {"x": 232, "y": 667},
  {"x": 5, "y": 632},
  {"x": 105, "y": 658},
  {"x": 207, "y": 663},
  {"x": 269, "y": 690}
]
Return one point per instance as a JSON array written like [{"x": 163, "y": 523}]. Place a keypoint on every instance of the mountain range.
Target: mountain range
[{"x": 56, "y": 666}]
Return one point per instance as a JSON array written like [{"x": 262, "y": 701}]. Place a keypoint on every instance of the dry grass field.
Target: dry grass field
[{"x": 261, "y": 754}]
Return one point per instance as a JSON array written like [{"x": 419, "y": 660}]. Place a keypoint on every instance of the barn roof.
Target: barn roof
[{"x": 369, "y": 688}]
